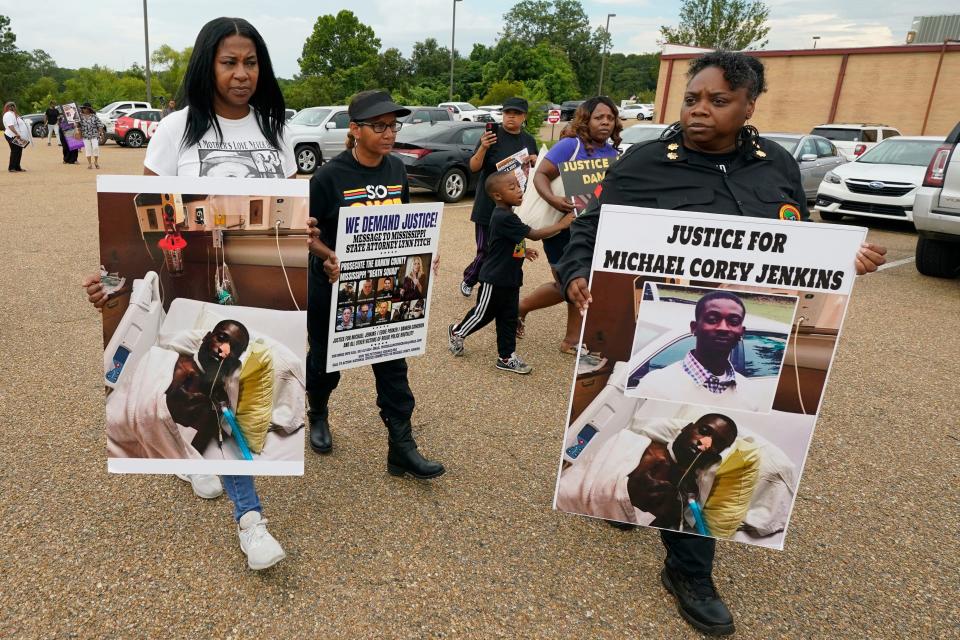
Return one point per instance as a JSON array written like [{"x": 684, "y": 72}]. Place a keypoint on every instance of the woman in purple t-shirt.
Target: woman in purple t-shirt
[{"x": 594, "y": 132}]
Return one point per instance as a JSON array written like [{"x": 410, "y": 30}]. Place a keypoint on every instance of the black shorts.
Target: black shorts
[{"x": 555, "y": 246}]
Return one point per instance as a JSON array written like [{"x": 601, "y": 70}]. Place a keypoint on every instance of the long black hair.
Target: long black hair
[{"x": 199, "y": 86}]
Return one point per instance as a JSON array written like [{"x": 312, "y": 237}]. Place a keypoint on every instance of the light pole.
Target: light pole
[
  {"x": 146, "y": 48},
  {"x": 815, "y": 38},
  {"x": 603, "y": 58},
  {"x": 453, "y": 51}
]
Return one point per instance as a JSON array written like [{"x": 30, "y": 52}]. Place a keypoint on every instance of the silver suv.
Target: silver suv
[
  {"x": 936, "y": 212},
  {"x": 853, "y": 139},
  {"x": 318, "y": 134}
]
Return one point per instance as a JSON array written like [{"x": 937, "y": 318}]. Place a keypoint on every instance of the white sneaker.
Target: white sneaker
[
  {"x": 204, "y": 486},
  {"x": 262, "y": 549}
]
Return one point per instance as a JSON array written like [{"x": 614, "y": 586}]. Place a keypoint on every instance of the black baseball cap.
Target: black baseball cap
[
  {"x": 515, "y": 104},
  {"x": 370, "y": 104}
]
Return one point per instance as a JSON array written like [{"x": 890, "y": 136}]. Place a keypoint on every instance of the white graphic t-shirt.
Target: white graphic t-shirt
[{"x": 243, "y": 152}]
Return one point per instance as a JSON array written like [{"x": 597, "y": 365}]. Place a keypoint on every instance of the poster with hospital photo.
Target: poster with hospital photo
[
  {"x": 204, "y": 336},
  {"x": 710, "y": 344}
]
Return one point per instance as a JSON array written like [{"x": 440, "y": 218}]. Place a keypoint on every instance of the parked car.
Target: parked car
[
  {"x": 495, "y": 111},
  {"x": 465, "y": 111},
  {"x": 855, "y": 139},
  {"x": 568, "y": 108},
  {"x": 437, "y": 156},
  {"x": 105, "y": 113},
  {"x": 38, "y": 124},
  {"x": 936, "y": 212},
  {"x": 289, "y": 113},
  {"x": 637, "y": 112},
  {"x": 639, "y": 133},
  {"x": 318, "y": 134},
  {"x": 881, "y": 183},
  {"x": 815, "y": 155},
  {"x": 426, "y": 114},
  {"x": 134, "y": 128}
]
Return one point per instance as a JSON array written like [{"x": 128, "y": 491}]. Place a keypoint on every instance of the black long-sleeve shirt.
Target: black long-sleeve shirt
[{"x": 760, "y": 179}]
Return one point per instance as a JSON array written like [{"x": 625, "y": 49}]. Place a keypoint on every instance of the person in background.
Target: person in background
[
  {"x": 233, "y": 104},
  {"x": 51, "y": 115},
  {"x": 90, "y": 131},
  {"x": 169, "y": 108},
  {"x": 16, "y": 132},
  {"x": 595, "y": 133},
  {"x": 493, "y": 151}
]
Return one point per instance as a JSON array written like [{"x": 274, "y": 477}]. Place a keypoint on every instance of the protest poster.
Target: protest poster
[
  {"x": 711, "y": 342},
  {"x": 519, "y": 164},
  {"x": 381, "y": 303},
  {"x": 580, "y": 179},
  {"x": 204, "y": 340}
]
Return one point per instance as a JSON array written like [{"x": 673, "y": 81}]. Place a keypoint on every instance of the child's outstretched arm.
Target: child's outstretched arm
[{"x": 557, "y": 227}]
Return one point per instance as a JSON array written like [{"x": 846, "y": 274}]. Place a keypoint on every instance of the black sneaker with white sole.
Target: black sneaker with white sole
[
  {"x": 514, "y": 364},
  {"x": 454, "y": 342}
]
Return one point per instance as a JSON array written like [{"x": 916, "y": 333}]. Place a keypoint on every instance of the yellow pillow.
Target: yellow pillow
[
  {"x": 729, "y": 500},
  {"x": 255, "y": 401}
]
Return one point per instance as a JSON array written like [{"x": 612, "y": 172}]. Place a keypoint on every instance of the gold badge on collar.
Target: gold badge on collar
[
  {"x": 672, "y": 156},
  {"x": 673, "y": 146},
  {"x": 760, "y": 153}
]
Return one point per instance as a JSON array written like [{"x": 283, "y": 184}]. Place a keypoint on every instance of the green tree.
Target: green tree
[
  {"x": 392, "y": 71},
  {"x": 543, "y": 63},
  {"x": 338, "y": 42},
  {"x": 100, "y": 86},
  {"x": 168, "y": 68},
  {"x": 14, "y": 70},
  {"x": 430, "y": 62},
  {"x": 720, "y": 24},
  {"x": 38, "y": 95},
  {"x": 501, "y": 90},
  {"x": 562, "y": 24}
]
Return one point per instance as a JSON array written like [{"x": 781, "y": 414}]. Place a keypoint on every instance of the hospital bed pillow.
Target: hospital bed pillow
[
  {"x": 729, "y": 500},
  {"x": 255, "y": 405}
]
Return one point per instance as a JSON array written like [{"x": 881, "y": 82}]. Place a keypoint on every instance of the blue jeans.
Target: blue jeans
[{"x": 240, "y": 489}]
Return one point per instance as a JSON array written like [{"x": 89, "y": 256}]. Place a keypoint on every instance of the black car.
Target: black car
[
  {"x": 437, "y": 156},
  {"x": 568, "y": 108},
  {"x": 418, "y": 115}
]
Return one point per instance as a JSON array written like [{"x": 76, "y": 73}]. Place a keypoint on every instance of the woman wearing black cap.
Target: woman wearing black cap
[
  {"x": 493, "y": 150},
  {"x": 710, "y": 161},
  {"x": 366, "y": 166}
]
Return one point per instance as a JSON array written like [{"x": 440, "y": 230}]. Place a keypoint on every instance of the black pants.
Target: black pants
[
  {"x": 15, "y": 154},
  {"x": 493, "y": 302},
  {"x": 69, "y": 157},
  {"x": 472, "y": 273},
  {"x": 394, "y": 396},
  {"x": 689, "y": 554}
]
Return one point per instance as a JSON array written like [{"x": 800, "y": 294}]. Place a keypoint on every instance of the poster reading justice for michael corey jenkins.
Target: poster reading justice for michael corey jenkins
[
  {"x": 382, "y": 299},
  {"x": 716, "y": 335}
]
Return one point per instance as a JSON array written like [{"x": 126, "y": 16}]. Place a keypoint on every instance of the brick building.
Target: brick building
[{"x": 915, "y": 88}]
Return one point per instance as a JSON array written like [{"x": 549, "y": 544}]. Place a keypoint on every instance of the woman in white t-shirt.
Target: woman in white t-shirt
[
  {"x": 233, "y": 125},
  {"x": 17, "y": 134}
]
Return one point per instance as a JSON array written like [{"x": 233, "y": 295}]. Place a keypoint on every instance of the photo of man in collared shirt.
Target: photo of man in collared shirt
[{"x": 706, "y": 375}]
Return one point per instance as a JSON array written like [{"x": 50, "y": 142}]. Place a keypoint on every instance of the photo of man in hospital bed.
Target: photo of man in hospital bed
[
  {"x": 722, "y": 473},
  {"x": 203, "y": 383}
]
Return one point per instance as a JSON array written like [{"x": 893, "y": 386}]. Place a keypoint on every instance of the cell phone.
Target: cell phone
[
  {"x": 583, "y": 439},
  {"x": 493, "y": 127}
]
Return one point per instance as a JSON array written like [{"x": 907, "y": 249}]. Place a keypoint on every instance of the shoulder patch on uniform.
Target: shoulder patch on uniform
[{"x": 789, "y": 212}]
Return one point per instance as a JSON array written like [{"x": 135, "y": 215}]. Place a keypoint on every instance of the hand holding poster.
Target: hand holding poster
[
  {"x": 196, "y": 383},
  {"x": 580, "y": 178},
  {"x": 718, "y": 333},
  {"x": 382, "y": 298}
]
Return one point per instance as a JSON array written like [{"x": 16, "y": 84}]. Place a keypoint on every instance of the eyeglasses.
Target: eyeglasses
[{"x": 380, "y": 127}]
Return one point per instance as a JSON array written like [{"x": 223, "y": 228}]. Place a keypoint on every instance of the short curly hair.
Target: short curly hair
[{"x": 739, "y": 70}]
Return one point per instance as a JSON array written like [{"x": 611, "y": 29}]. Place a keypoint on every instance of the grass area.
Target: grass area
[{"x": 776, "y": 308}]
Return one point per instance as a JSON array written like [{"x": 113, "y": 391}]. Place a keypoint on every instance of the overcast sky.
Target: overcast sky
[{"x": 110, "y": 32}]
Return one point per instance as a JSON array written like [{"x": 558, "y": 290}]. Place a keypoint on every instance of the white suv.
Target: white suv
[
  {"x": 936, "y": 212},
  {"x": 853, "y": 139},
  {"x": 465, "y": 111}
]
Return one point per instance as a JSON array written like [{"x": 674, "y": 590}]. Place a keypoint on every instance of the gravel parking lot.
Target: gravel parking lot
[{"x": 871, "y": 552}]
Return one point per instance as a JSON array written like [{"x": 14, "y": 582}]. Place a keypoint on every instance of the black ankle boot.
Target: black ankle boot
[
  {"x": 320, "y": 439},
  {"x": 698, "y": 602},
  {"x": 403, "y": 457}
]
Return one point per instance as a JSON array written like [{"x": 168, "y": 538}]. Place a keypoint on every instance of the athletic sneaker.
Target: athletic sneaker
[
  {"x": 454, "y": 341},
  {"x": 514, "y": 364},
  {"x": 466, "y": 289},
  {"x": 204, "y": 486},
  {"x": 262, "y": 549}
]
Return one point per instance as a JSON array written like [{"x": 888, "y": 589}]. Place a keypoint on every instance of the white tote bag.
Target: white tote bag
[{"x": 534, "y": 210}]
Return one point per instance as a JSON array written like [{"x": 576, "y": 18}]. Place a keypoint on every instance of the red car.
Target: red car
[{"x": 134, "y": 128}]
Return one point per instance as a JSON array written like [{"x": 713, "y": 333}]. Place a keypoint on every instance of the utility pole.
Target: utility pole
[
  {"x": 815, "y": 38},
  {"x": 453, "y": 51},
  {"x": 603, "y": 58},
  {"x": 146, "y": 48}
]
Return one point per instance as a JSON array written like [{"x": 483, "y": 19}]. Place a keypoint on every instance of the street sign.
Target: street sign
[{"x": 553, "y": 116}]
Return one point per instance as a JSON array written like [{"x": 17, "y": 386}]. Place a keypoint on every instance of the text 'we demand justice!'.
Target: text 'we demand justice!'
[
  {"x": 392, "y": 231},
  {"x": 723, "y": 269}
]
